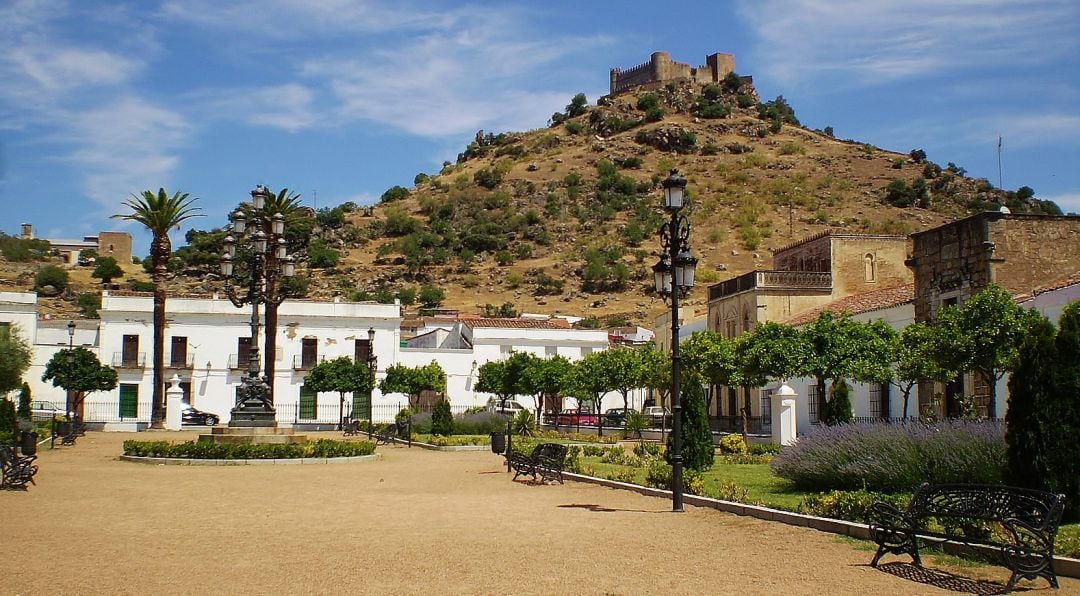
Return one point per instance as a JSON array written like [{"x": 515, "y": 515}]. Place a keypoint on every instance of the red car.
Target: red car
[{"x": 576, "y": 418}]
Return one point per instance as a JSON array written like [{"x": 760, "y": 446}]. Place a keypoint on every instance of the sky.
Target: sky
[{"x": 341, "y": 99}]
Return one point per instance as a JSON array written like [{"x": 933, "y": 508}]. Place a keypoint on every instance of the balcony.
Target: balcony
[
  {"x": 180, "y": 361},
  {"x": 136, "y": 361},
  {"x": 301, "y": 362},
  {"x": 816, "y": 281},
  {"x": 238, "y": 363}
]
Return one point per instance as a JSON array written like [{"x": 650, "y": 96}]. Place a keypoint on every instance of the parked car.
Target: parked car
[
  {"x": 510, "y": 408},
  {"x": 575, "y": 417},
  {"x": 44, "y": 410},
  {"x": 192, "y": 416},
  {"x": 616, "y": 416},
  {"x": 658, "y": 416}
]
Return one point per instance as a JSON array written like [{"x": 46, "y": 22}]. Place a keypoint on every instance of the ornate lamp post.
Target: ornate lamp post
[
  {"x": 373, "y": 366},
  {"x": 266, "y": 260},
  {"x": 674, "y": 276},
  {"x": 70, "y": 410}
]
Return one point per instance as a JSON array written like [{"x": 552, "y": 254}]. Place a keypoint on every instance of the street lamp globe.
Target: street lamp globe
[
  {"x": 662, "y": 276},
  {"x": 674, "y": 185}
]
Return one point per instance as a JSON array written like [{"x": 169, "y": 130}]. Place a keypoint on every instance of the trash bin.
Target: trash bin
[
  {"x": 498, "y": 443},
  {"x": 28, "y": 443}
]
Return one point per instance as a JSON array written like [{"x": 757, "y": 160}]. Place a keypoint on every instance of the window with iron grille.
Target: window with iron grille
[
  {"x": 766, "y": 404},
  {"x": 875, "y": 401},
  {"x": 813, "y": 399}
]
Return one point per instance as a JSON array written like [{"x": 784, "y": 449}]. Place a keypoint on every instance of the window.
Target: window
[
  {"x": 729, "y": 331},
  {"x": 129, "y": 400},
  {"x": 813, "y": 399},
  {"x": 130, "y": 354},
  {"x": 766, "y": 405},
  {"x": 875, "y": 401},
  {"x": 309, "y": 352},
  {"x": 362, "y": 350},
  {"x": 178, "y": 354},
  {"x": 308, "y": 403},
  {"x": 504, "y": 352},
  {"x": 870, "y": 267},
  {"x": 551, "y": 351},
  {"x": 243, "y": 352}
]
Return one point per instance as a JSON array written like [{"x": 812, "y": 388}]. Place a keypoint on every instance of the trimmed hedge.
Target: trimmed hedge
[{"x": 197, "y": 450}]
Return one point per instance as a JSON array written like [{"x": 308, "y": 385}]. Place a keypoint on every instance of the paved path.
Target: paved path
[{"x": 413, "y": 522}]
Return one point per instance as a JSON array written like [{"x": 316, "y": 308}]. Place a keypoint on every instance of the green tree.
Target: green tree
[
  {"x": 159, "y": 213},
  {"x": 51, "y": 275},
  {"x": 85, "y": 374},
  {"x": 983, "y": 335},
  {"x": 577, "y": 105},
  {"x": 1031, "y": 391},
  {"x": 838, "y": 348},
  {"x": 543, "y": 377},
  {"x": 414, "y": 380},
  {"x": 656, "y": 373},
  {"x": 24, "y": 402},
  {"x": 442, "y": 419},
  {"x": 106, "y": 269},
  {"x": 8, "y": 422},
  {"x": 697, "y": 448},
  {"x": 588, "y": 381},
  {"x": 397, "y": 193},
  {"x": 913, "y": 359},
  {"x": 1061, "y": 414},
  {"x": 503, "y": 378},
  {"x": 431, "y": 296},
  {"x": 771, "y": 351},
  {"x": 343, "y": 375},
  {"x": 709, "y": 356},
  {"x": 89, "y": 304},
  {"x": 15, "y": 356},
  {"x": 838, "y": 407}
]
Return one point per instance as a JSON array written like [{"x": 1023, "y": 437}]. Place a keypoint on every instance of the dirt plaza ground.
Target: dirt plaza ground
[{"x": 411, "y": 522}]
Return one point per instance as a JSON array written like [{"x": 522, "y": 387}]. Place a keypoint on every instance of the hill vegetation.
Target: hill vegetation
[{"x": 563, "y": 219}]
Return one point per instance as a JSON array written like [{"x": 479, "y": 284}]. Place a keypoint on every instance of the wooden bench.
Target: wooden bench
[
  {"x": 16, "y": 470},
  {"x": 1017, "y": 524},
  {"x": 545, "y": 461}
]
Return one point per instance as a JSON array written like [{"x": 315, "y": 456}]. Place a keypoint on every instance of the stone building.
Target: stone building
[
  {"x": 952, "y": 262},
  {"x": 107, "y": 244},
  {"x": 661, "y": 69},
  {"x": 807, "y": 274}
]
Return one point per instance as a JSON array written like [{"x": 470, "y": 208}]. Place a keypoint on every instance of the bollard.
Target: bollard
[{"x": 508, "y": 435}]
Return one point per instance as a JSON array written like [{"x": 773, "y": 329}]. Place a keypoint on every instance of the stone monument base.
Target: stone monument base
[{"x": 251, "y": 435}]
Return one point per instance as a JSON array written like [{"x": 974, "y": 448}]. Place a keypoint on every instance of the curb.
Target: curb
[
  {"x": 1063, "y": 566},
  {"x": 182, "y": 461}
]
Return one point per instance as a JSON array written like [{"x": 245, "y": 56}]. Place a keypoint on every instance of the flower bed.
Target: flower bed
[{"x": 320, "y": 448}]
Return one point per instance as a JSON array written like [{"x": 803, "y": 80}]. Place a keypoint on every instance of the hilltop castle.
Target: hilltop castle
[{"x": 661, "y": 69}]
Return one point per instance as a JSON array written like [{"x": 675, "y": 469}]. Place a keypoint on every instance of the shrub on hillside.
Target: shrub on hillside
[
  {"x": 51, "y": 275},
  {"x": 894, "y": 458},
  {"x": 479, "y": 423}
]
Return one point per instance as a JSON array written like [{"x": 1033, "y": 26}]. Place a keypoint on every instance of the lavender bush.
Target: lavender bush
[{"x": 894, "y": 458}]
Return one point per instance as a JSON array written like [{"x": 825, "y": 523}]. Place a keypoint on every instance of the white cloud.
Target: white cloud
[
  {"x": 877, "y": 42},
  {"x": 287, "y": 107},
  {"x": 127, "y": 146}
]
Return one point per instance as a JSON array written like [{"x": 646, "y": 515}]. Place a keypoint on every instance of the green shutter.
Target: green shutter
[
  {"x": 361, "y": 405},
  {"x": 307, "y": 403},
  {"x": 129, "y": 401}
]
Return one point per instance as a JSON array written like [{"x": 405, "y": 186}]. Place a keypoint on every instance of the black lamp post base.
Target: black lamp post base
[{"x": 246, "y": 415}]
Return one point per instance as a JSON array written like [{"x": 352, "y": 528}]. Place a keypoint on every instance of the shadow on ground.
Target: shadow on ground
[
  {"x": 601, "y": 509},
  {"x": 943, "y": 579}
]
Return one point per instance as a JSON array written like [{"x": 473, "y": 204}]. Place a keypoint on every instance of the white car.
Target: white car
[
  {"x": 511, "y": 407},
  {"x": 44, "y": 410}
]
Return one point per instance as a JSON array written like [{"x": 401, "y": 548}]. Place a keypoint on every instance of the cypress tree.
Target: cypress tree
[
  {"x": 698, "y": 450},
  {"x": 1061, "y": 414},
  {"x": 442, "y": 421},
  {"x": 7, "y": 421},
  {"x": 1031, "y": 389},
  {"x": 838, "y": 408},
  {"x": 24, "y": 402}
]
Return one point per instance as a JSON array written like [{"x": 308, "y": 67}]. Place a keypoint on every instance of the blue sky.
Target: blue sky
[{"x": 341, "y": 99}]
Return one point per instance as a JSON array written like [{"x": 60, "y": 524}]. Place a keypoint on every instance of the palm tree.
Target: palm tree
[
  {"x": 286, "y": 203},
  {"x": 159, "y": 213}
]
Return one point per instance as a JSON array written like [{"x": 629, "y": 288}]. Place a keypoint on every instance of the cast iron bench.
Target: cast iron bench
[
  {"x": 350, "y": 427},
  {"x": 1017, "y": 523},
  {"x": 387, "y": 434},
  {"x": 16, "y": 470},
  {"x": 545, "y": 461}
]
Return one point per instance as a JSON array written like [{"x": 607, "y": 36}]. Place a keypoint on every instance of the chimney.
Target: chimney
[{"x": 27, "y": 231}]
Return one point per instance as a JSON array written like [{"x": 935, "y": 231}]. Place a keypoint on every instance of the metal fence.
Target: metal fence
[
  {"x": 110, "y": 412},
  {"x": 734, "y": 424}
]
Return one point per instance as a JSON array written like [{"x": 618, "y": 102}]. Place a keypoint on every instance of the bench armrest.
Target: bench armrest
[{"x": 1026, "y": 535}]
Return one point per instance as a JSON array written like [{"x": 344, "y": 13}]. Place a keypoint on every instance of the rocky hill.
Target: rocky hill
[{"x": 563, "y": 219}]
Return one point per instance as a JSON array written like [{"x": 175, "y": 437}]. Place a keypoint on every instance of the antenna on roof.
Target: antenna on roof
[
  {"x": 1002, "y": 187},
  {"x": 315, "y": 199}
]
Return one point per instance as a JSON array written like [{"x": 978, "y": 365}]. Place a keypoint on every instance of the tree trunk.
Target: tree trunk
[
  {"x": 270, "y": 339},
  {"x": 159, "y": 250},
  {"x": 746, "y": 415}
]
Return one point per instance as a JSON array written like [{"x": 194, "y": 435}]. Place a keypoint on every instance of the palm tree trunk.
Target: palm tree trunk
[
  {"x": 270, "y": 335},
  {"x": 157, "y": 408}
]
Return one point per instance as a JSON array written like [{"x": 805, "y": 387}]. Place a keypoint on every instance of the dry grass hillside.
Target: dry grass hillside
[{"x": 564, "y": 219}]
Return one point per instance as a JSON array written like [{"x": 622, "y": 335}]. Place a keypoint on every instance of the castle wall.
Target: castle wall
[
  {"x": 116, "y": 245},
  {"x": 661, "y": 68}
]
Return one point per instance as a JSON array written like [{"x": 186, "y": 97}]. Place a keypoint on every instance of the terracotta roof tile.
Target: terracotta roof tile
[
  {"x": 1064, "y": 282},
  {"x": 860, "y": 303},
  {"x": 518, "y": 323}
]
